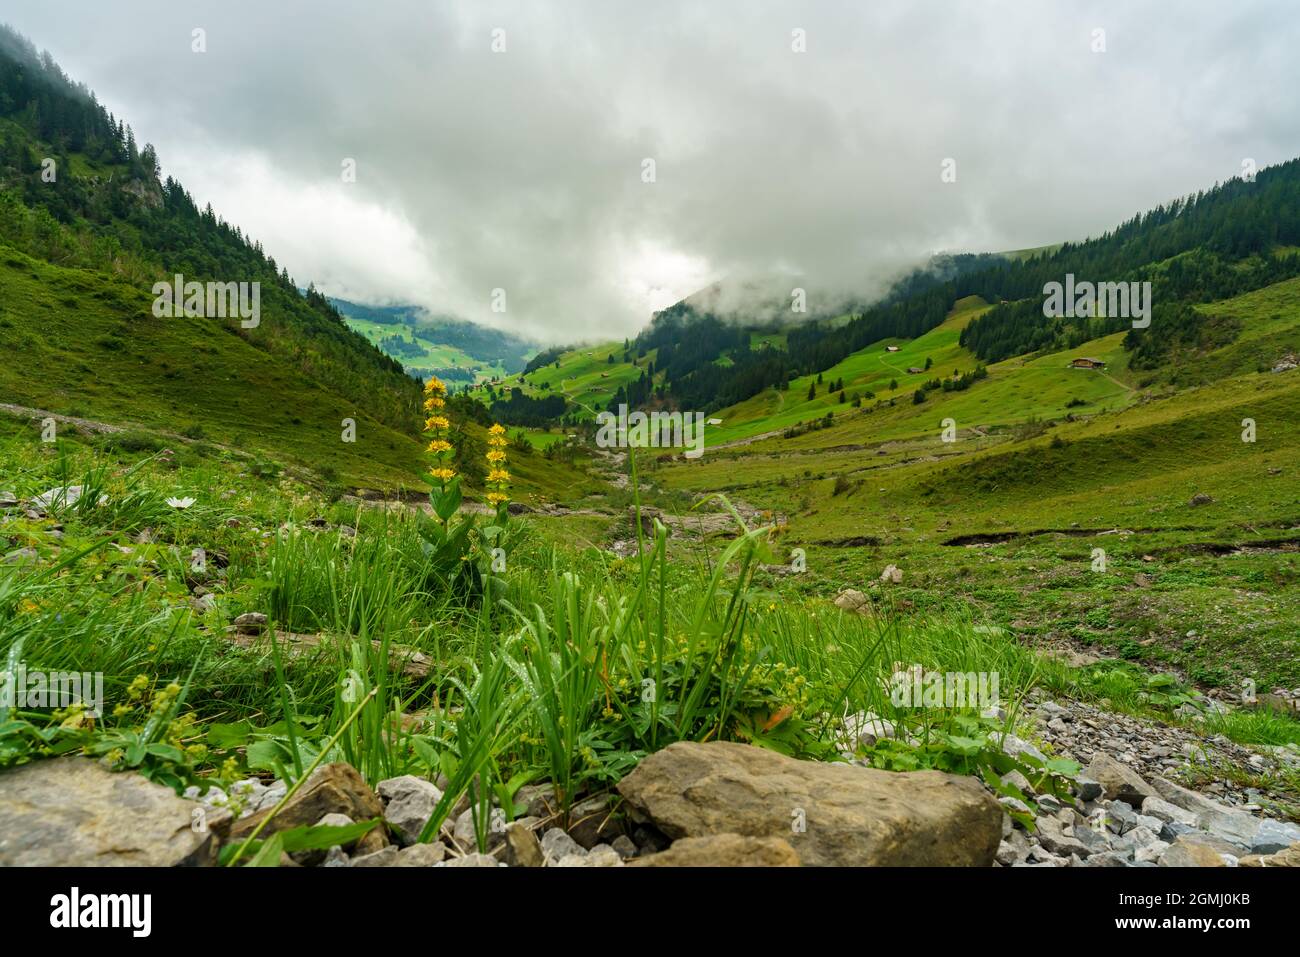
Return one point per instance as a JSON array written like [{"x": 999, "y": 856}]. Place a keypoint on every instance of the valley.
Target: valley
[{"x": 363, "y": 585}]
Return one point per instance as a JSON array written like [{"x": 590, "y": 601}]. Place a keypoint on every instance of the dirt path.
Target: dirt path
[{"x": 90, "y": 425}]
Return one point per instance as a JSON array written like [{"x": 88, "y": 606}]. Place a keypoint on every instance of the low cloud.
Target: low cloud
[{"x": 524, "y": 170}]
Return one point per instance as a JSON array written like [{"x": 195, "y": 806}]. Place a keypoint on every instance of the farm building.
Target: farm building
[
  {"x": 913, "y": 370},
  {"x": 1082, "y": 363},
  {"x": 891, "y": 348}
]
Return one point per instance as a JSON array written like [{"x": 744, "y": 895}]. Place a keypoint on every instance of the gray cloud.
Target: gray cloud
[{"x": 522, "y": 170}]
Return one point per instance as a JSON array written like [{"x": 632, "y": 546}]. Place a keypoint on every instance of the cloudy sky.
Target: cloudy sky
[{"x": 524, "y": 169}]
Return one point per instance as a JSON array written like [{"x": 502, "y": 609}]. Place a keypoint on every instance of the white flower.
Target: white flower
[{"x": 180, "y": 502}]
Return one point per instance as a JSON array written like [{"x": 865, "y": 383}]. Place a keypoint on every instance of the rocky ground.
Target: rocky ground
[
  {"x": 715, "y": 804},
  {"x": 1131, "y": 813}
]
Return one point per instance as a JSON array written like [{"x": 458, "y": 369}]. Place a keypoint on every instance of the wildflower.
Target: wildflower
[
  {"x": 181, "y": 503},
  {"x": 498, "y": 479},
  {"x": 435, "y": 427}
]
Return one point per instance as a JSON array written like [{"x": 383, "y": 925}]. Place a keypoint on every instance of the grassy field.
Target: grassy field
[
  {"x": 432, "y": 355},
  {"x": 1048, "y": 464},
  {"x": 586, "y": 377}
]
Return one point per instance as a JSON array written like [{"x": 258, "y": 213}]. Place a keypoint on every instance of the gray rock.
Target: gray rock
[
  {"x": 556, "y": 844},
  {"x": 63, "y": 497},
  {"x": 1120, "y": 817},
  {"x": 466, "y": 837},
  {"x": 1086, "y": 789},
  {"x": 474, "y": 860},
  {"x": 408, "y": 804},
  {"x": 272, "y": 796},
  {"x": 1118, "y": 781},
  {"x": 522, "y": 847},
  {"x": 1273, "y": 836},
  {"x": 723, "y": 850},
  {"x": 336, "y": 787},
  {"x": 336, "y": 857},
  {"x": 1137, "y": 837},
  {"x": 1055, "y": 836},
  {"x": 602, "y": 855},
  {"x": 1120, "y": 858},
  {"x": 625, "y": 846},
  {"x": 1172, "y": 830},
  {"x": 1236, "y": 827},
  {"x": 251, "y": 623},
  {"x": 1187, "y": 853},
  {"x": 1152, "y": 824},
  {"x": 1018, "y": 747},
  {"x": 1018, "y": 780},
  {"x": 385, "y": 857},
  {"x": 422, "y": 855},
  {"x": 864, "y": 728},
  {"x": 1097, "y": 842},
  {"x": 538, "y": 800},
  {"x": 1165, "y": 811},
  {"x": 73, "y": 812},
  {"x": 1150, "y": 853},
  {"x": 851, "y": 815}
]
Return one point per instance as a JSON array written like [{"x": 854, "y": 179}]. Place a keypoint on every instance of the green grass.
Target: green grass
[
  {"x": 585, "y": 377},
  {"x": 432, "y": 355}
]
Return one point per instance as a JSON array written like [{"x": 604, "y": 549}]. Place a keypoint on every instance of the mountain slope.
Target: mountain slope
[{"x": 87, "y": 228}]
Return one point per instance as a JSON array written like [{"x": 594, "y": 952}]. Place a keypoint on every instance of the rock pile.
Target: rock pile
[{"x": 1130, "y": 812}]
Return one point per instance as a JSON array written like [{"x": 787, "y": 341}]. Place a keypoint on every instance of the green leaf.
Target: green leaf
[
  {"x": 318, "y": 837},
  {"x": 227, "y": 736},
  {"x": 449, "y": 501},
  {"x": 268, "y": 855}
]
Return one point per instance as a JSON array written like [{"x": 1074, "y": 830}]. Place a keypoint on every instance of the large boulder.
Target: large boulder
[
  {"x": 723, "y": 850},
  {"x": 831, "y": 814},
  {"x": 1238, "y": 828},
  {"x": 331, "y": 789},
  {"x": 73, "y": 812},
  {"x": 1119, "y": 782}
]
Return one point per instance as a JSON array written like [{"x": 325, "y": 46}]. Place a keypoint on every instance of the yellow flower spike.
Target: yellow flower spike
[{"x": 438, "y": 446}]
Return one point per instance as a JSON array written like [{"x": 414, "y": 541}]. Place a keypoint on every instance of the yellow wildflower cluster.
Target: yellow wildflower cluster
[
  {"x": 498, "y": 479},
  {"x": 436, "y": 428}
]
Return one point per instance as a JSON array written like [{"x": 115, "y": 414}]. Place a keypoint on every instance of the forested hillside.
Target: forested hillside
[{"x": 77, "y": 190}]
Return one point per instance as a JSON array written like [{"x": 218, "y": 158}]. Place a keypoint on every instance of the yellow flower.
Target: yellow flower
[
  {"x": 444, "y": 474},
  {"x": 434, "y": 386},
  {"x": 432, "y": 403},
  {"x": 496, "y": 456},
  {"x": 436, "y": 423},
  {"x": 498, "y": 475},
  {"x": 496, "y": 498},
  {"x": 497, "y": 429},
  {"x": 438, "y": 446}
]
